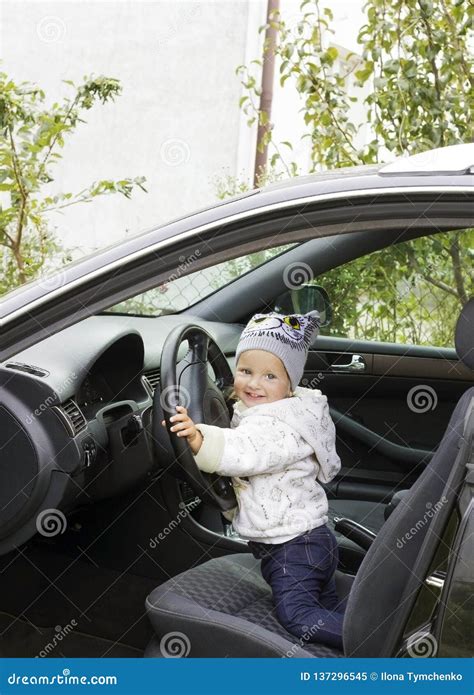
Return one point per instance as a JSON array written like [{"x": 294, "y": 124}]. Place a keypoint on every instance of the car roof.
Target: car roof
[
  {"x": 320, "y": 176},
  {"x": 332, "y": 184},
  {"x": 448, "y": 161},
  {"x": 454, "y": 159}
]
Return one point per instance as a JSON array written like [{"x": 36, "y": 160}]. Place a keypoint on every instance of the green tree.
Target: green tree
[
  {"x": 31, "y": 135},
  {"x": 415, "y": 60},
  {"x": 416, "y": 80}
]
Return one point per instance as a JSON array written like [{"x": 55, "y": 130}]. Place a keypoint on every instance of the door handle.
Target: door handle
[{"x": 357, "y": 364}]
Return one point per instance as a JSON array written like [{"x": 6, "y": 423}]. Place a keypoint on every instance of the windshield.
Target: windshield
[{"x": 183, "y": 291}]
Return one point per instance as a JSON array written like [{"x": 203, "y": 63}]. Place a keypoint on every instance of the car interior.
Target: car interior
[{"x": 132, "y": 544}]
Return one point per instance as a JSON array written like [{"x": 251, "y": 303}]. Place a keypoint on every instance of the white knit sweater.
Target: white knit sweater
[{"x": 284, "y": 448}]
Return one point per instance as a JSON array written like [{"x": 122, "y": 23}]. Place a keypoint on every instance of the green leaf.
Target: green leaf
[{"x": 332, "y": 53}]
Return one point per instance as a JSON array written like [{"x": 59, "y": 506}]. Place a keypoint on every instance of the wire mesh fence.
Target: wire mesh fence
[{"x": 410, "y": 293}]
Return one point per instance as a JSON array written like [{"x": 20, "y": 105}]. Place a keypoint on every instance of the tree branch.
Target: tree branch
[
  {"x": 458, "y": 278},
  {"x": 432, "y": 61},
  {"x": 16, "y": 243},
  {"x": 67, "y": 205},
  {"x": 8, "y": 237},
  {"x": 437, "y": 283},
  {"x": 16, "y": 164},
  {"x": 55, "y": 139}
]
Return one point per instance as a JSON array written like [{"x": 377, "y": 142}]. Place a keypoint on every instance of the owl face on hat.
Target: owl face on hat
[
  {"x": 292, "y": 326},
  {"x": 287, "y": 336}
]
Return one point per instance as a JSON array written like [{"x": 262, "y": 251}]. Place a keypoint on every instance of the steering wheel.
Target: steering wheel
[{"x": 188, "y": 383}]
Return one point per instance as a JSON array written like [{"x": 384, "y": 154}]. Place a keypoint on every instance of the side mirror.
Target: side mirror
[{"x": 304, "y": 298}]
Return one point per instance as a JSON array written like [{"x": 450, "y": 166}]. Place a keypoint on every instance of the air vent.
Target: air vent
[
  {"x": 28, "y": 368},
  {"x": 73, "y": 416},
  {"x": 152, "y": 378}
]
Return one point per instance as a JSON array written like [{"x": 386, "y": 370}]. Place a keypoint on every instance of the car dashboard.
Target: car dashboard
[{"x": 76, "y": 412}]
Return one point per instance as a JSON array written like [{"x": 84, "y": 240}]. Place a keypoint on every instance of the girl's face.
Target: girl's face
[{"x": 260, "y": 378}]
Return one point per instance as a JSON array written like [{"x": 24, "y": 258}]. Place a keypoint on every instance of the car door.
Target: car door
[{"x": 391, "y": 400}]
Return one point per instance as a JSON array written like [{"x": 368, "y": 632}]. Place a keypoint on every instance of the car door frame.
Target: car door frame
[{"x": 46, "y": 307}]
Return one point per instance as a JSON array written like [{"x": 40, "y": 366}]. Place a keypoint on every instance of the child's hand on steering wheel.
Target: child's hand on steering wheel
[{"x": 185, "y": 427}]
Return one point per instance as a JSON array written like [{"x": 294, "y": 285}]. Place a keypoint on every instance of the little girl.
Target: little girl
[{"x": 281, "y": 442}]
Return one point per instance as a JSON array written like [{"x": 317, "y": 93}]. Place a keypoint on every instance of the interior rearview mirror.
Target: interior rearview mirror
[{"x": 305, "y": 298}]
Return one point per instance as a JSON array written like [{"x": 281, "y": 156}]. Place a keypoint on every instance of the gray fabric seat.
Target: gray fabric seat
[
  {"x": 223, "y": 607},
  {"x": 229, "y": 599}
]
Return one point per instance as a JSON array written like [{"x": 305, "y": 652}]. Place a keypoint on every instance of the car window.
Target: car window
[
  {"x": 409, "y": 293},
  {"x": 183, "y": 289}
]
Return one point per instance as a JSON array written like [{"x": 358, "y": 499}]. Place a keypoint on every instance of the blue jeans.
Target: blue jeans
[{"x": 301, "y": 575}]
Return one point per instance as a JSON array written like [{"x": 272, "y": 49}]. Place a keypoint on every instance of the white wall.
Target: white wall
[{"x": 177, "y": 121}]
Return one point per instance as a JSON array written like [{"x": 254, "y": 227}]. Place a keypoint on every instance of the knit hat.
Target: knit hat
[{"x": 286, "y": 336}]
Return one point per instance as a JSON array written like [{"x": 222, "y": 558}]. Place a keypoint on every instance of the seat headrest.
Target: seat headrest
[{"x": 464, "y": 337}]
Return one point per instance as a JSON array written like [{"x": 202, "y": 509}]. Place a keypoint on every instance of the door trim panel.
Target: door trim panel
[{"x": 396, "y": 452}]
